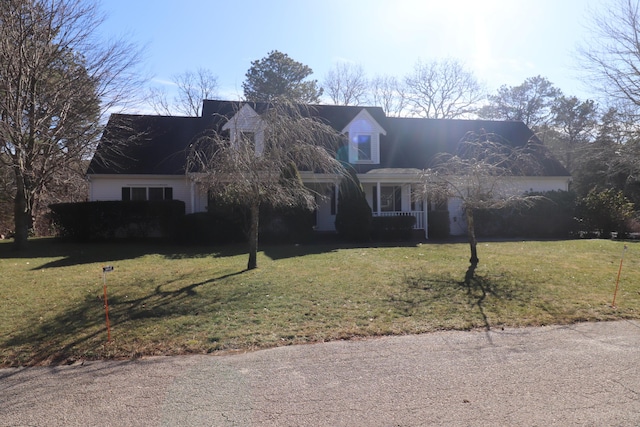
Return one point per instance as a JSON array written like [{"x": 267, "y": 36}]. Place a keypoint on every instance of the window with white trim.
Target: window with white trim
[
  {"x": 390, "y": 199},
  {"x": 246, "y": 127},
  {"x": 363, "y": 147},
  {"x": 147, "y": 193},
  {"x": 247, "y": 137},
  {"x": 364, "y": 138}
]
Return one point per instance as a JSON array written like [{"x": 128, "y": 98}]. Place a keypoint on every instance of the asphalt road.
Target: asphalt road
[{"x": 583, "y": 375}]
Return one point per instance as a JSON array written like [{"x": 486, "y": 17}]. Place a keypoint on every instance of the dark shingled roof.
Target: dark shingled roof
[
  {"x": 413, "y": 142},
  {"x": 135, "y": 144},
  {"x": 158, "y": 144},
  {"x": 336, "y": 116}
]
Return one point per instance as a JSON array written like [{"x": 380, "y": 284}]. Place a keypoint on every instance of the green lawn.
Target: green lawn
[{"x": 173, "y": 300}]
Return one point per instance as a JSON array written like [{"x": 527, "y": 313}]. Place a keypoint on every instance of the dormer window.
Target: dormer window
[
  {"x": 247, "y": 137},
  {"x": 246, "y": 127},
  {"x": 364, "y": 139},
  {"x": 363, "y": 144}
]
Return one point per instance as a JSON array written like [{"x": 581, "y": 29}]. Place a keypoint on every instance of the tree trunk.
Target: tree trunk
[
  {"x": 253, "y": 236},
  {"x": 22, "y": 215},
  {"x": 473, "y": 243}
]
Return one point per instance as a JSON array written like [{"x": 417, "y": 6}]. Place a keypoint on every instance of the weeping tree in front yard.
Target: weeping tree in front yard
[
  {"x": 260, "y": 168},
  {"x": 482, "y": 174}
]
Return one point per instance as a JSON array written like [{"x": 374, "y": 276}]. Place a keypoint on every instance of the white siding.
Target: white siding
[
  {"x": 201, "y": 200},
  {"x": 107, "y": 187}
]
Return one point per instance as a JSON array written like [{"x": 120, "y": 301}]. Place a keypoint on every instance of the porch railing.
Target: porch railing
[{"x": 419, "y": 215}]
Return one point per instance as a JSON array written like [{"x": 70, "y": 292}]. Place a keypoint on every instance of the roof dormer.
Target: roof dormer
[
  {"x": 246, "y": 125},
  {"x": 363, "y": 133}
]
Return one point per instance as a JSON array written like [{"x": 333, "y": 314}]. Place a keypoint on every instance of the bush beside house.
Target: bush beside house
[
  {"x": 438, "y": 224},
  {"x": 354, "y": 216},
  {"x": 555, "y": 214},
  {"x": 108, "y": 220},
  {"x": 604, "y": 212},
  {"x": 551, "y": 215},
  {"x": 392, "y": 228}
]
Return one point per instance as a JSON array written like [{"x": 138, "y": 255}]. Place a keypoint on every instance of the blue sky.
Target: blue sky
[{"x": 501, "y": 41}]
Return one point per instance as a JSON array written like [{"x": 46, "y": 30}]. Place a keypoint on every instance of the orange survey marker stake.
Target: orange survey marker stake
[
  {"x": 105, "y": 270},
  {"x": 615, "y": 293}
]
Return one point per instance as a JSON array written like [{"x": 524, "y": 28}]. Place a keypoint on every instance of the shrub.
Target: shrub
[
  {"x": 286, "y": 225},
  {"x": 353, "y": 219},
  {"x": 438, "y": 224},
  {"x": 550, "y": 215},
  {"x": 393, "y": 227},
  {"x": 109, "y": 220},
  {"x": 605, "y": 212},
  {"x": 205, "y": 228},
  {"x": 226, "y": 222}
]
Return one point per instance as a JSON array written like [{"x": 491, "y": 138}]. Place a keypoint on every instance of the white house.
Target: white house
[{"x": 388, "y": 153}]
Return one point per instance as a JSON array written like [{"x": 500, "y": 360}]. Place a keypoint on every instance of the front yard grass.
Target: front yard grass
[{"x": 166, "y": 300}]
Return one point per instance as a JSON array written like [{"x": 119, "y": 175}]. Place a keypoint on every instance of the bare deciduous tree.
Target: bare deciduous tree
[
  {"x": 480, "y": 175},
  {"x": 388, "y": 93},
  {"x": 443, "y": 90},
  {"x": 192, "y": 88},
  {"x": 612, "y": 55},
  {"x": 346, "y": 84},
  {"x": 7, "y": 189},
  {"x": 261, "y": 167},
  {"x": 57, "y": 78}
]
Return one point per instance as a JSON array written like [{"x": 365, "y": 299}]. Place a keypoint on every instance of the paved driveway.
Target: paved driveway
[{"x": 583, "y": 375}]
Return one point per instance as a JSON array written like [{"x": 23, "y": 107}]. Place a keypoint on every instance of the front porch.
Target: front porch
[
  {"x": 419, "y": 216},
  {"x": 388, "y": 199}
]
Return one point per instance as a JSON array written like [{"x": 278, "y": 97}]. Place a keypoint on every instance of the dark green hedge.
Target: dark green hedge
[
  {"x": 438, "y": 224},
  {"x": 354, "y": 217},
  {"x": 204, "y": 228},
  {"x": 226, "y": 224},
  {"x": 392, "y": 227},
  {"x": 110, "y": 220},
  {"x": 550, "y": 216},
  {"x": 286, "y": 225}
]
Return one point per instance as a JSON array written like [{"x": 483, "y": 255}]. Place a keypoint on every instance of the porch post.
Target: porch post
[
  {"x": 193, "y": 197},
  {"x": 378, "y": 186},
  {"x": 425, "y": 213}
]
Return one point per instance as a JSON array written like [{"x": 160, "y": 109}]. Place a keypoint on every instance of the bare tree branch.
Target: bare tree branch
[
  {"x": 611, "y": 56},
  {"x": 389, "y": 94},
  {"x": 443, "y": 90},
  {"x": 192, "y": 88},
  {"x": 346, "y": 84}
]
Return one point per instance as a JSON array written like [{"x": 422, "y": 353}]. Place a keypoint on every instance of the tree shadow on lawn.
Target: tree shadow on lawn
[
  {"x": 71, "y": 254},
  {"x": 472, "y": 301},
  {"x": 283, "y": 251},
  {"x": 81, "y": 331}
]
